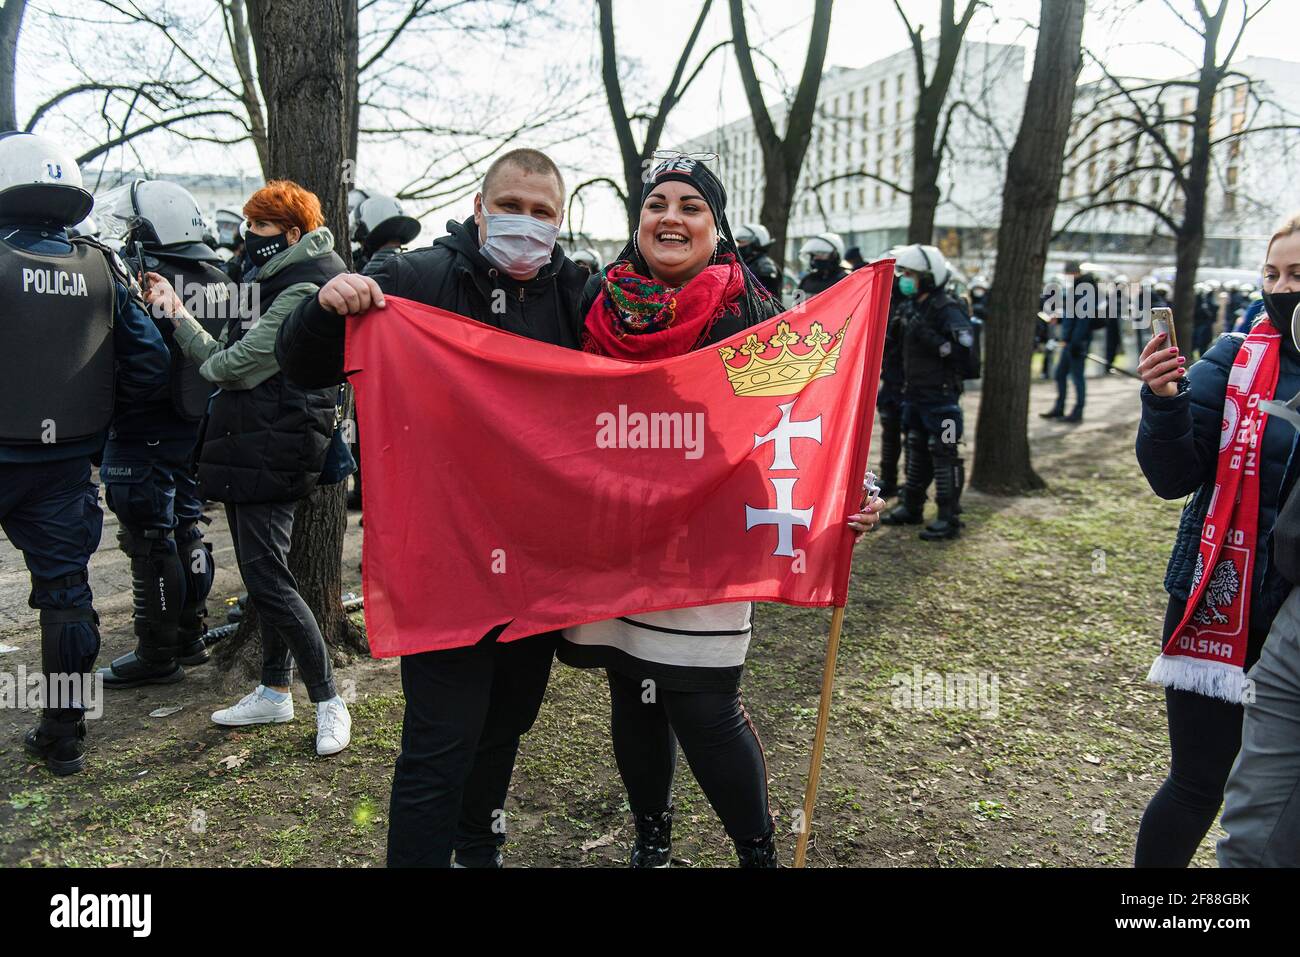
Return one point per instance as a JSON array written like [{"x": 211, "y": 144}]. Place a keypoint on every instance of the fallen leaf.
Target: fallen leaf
[
  {"x": 603, "y": 841},
  {"x": 166, "y": 712}
]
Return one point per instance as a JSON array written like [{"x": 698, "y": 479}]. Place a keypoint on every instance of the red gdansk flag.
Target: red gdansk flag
[{"x": 515, "y": 484}]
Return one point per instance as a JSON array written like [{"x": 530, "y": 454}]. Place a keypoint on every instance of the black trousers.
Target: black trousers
[
  {"x": 717, "y": 737},
  {"x": 466, "y": 709}
]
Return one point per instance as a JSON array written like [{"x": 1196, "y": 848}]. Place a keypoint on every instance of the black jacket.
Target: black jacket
[
  {"x": 819, "y": 280},
  {"x": 453, "y": 275},
  {"x": 1178, "y": 449},
  {"x": 268, "y": 443},
  {"x": 936, "y": 342}
]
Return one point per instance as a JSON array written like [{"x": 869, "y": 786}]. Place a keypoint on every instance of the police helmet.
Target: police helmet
[
  {"x": 823, "y": 245},
  {"x": 587, "y": 257},
  {"x": 753, "y": 234},
  {"x": 379, "y": 219},
  {"x": 926, "y": 260},
  {"x": 40, "y": 181}
]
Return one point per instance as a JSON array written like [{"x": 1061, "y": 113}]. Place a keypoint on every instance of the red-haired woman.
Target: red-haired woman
[{"x": 265, "y": 444}]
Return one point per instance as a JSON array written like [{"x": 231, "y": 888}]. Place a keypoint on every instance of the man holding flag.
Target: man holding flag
[{"x": 467, "y": 707}]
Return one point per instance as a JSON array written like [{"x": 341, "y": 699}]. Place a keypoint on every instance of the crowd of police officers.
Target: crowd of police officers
[{"x": 89, "y": 376}]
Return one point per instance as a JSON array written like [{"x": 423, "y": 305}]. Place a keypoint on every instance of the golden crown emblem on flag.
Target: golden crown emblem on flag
[{"x": 788, "y": 371}]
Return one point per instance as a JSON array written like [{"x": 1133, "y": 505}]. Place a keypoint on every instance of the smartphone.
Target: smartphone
[{"x": 1162, "y": 320}]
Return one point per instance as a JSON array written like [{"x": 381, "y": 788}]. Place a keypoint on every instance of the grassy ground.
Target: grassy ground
[{"x": 1056, "y": 595}]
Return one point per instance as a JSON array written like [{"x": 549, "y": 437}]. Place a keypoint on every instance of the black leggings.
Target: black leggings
[
  {"x": 1204, "y": 738},
  {"x": 718, "y": 738}
]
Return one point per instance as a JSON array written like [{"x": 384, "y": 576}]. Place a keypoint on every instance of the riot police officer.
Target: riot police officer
[
  {"x": 937, "y": 343},
  {"x": 380, "y": 229},
  {"x": 69, "y": 322},
  {"x": 825, "y": 253},
  {"x": 148, "y": 470},
  {"x": 752, "y": 239}
]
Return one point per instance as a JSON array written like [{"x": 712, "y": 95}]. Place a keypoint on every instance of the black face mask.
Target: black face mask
[
  {"x": 1280, "y": 307},
  {"x": 260, "y": 249}
]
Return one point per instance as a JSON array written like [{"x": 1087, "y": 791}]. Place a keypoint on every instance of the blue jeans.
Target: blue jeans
[{"x": 1070, "y": 366}]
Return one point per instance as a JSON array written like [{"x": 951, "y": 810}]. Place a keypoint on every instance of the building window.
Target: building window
[{"x": 900, "y": 84}]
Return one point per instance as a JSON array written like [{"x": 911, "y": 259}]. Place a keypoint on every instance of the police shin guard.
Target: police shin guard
[
  {"x": 948, "y": 476},
  {"x": 891, "y": 449},
  {"x": 196, "y": 561},
  {"x": 157, "y": 579},
  {"x": 911, "y": 505},
  {"x": 67, "y": 655}
]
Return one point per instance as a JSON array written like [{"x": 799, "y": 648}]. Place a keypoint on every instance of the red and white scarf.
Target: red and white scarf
[{"x": 1206, "y": 653}]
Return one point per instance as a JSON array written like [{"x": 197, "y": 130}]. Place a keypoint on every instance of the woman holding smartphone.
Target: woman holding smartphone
[{"x": 1198, "y": 426}]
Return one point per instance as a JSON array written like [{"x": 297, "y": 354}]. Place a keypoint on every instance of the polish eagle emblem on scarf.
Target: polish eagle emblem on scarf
[{"x": 1221, "y": 592}]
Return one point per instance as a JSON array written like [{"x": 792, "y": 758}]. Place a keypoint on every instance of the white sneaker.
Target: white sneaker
[
  {"x": 333, "y": 726},
  {"x": 256, "y": 708}
]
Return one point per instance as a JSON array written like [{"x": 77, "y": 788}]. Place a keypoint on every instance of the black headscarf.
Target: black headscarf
[{"x": 693, "y": 172}]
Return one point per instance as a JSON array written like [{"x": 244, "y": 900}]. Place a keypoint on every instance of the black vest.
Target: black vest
[
  {"x": 211, "y": 298},
  {"x": 56, "y": 345},
  {"x": 268, "y": 443}
]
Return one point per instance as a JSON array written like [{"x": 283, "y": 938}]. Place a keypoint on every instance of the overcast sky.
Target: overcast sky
[{"x": 1135, "y": 39}]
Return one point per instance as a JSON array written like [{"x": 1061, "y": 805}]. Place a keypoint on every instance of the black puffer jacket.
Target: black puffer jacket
[
  {"x": 1178, "y": 449},
  {"x": 268, "y": 443},
  {"x": 453, "y": 275}
]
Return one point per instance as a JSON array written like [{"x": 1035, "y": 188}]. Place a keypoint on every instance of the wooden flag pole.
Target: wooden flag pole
[{"x": 819, "y": 741}]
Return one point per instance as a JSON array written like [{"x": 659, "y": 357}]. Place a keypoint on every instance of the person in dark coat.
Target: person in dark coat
[
  {"x": 466, "y": 708},
  {"x": 264, "y": 447},
  {"x": 1075, "y": 340},
  {"x": 1178, "y": 447},
  {"x": 1261, "y": 814},
  {"x": 825, "y": 253},
  {"x": 77, "y": 351}
]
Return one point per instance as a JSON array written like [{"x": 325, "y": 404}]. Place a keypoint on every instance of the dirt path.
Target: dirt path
[{"x": 1055, "y": 597}]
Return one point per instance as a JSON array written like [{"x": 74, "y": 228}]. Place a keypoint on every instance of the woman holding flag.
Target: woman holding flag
[
  {"x": 1201, "y": 430},
  {"x": 678, "y": 286}
]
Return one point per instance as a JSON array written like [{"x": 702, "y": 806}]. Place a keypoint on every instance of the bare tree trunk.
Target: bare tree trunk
[
  {"x": 11, "y": 21},
  {"x": 302, "y": 51},
  {"x": 783, "y": 156},
  {"x": 928, "y": 144},
  {"x": 634, "y": 157},
  {"x": 237, "y": 21},
  {"x": 1190, "y": 237},
  {"x": 1002, "y": 462}
]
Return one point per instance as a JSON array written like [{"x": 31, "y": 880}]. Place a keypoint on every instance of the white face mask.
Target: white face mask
[{"x": 520, "y": 245}]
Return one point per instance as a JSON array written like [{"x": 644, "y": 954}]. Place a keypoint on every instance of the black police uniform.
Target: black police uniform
[
  {"x": 151, "y": 486},
  {"x": 889, "y": 400},
  {"x": 937, "y": 341},
  {"x": 74, "y": 344},
  {"x": 763, "y": 267}
]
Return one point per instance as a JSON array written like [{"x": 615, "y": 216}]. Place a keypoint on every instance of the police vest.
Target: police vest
[
  {"x": 211, "y": 298},
  {"x": 56, "y": 345}
]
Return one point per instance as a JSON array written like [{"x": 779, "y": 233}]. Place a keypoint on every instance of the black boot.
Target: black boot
[
  {"x": 59, "y": 741},
  {"x": 757, "y": 852},
  {"x": 946, "y": 526},
  {"x": 948, "y": 472},
  {"x": 654, "y": 839},
  {"x": 917, "y": 473},
  {"x": 192, "y": 648},
  {"x": 192, "y": 627},
  {"x": 902, "y": 514},
  {"x": 1075, "y": 417},
  {"x": 1056, "y": 412},
  {"x": 156, "y": 579},
  {"x": 891, "y": 450}
]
